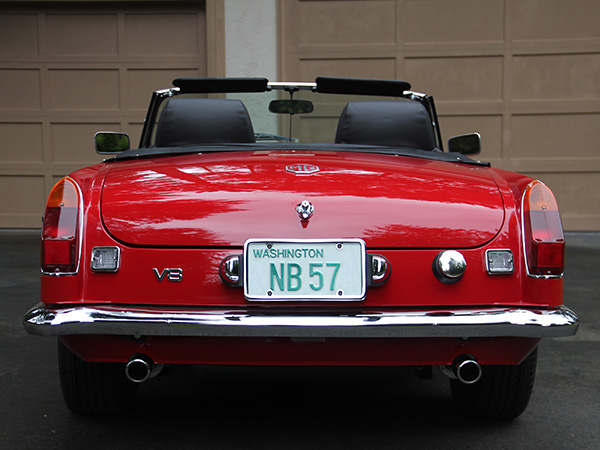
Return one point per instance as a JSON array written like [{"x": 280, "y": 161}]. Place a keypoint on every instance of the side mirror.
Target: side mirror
[
  {"x": 466, "y": 144},
  {"x": 109, "y": 142},
  {"x": 291, "y": 106}
]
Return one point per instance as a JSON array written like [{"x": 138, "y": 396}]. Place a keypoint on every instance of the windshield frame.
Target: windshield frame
[{"x": 326, "y": 85}]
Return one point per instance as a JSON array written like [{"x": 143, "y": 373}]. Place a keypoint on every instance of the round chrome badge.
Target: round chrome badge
[
  {"x": 305, "y": 209},
  {"x": 302, "y": 169}
]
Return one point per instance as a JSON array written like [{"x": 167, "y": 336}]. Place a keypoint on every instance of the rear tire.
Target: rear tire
[
  {"x": 503, "y": 391},
  {"x": 91, "y": 388}
]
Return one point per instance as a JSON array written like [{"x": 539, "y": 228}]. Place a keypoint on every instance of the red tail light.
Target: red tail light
[
  {"x": 544, "y": 237},
  {"x": 60, "y": 235}
]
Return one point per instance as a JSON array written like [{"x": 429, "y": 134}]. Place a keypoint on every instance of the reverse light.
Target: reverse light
[
  {"x": 499, "y": 262},
  {"x": 105, "y": 259},
  {"x": 544, "y": 240},
  {"x": 60, "y": 234}
]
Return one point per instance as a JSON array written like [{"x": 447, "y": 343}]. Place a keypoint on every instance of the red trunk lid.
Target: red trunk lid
[{"x": 222, "y": 199}]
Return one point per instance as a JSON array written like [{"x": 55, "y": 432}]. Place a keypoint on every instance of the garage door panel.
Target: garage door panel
[
  {"x": 346, "y": 22},
  {"x": 160, "y": 34},
  {"x": 459, "y": 79},
  {"x": 556, "y": 76},
  {"x": 555, "y": 135},
  {"x": 82, "y": 34},
  {"x": 22, "y": 89},
  {"x": 309, "y": 69},
  {"x": 455, "y": 21},
  {"x": 85, "y": 89},
  {"x": 74, "y": 142},
  {"x": 553, "y": 19},
  {"x": 21, "y": 142},
  {"x": 18, "y": 35}
]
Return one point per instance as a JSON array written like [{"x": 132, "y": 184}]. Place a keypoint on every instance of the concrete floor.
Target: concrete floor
[{"x": 296, "y": 408}]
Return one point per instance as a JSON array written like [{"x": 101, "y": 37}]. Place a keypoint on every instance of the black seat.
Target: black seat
[
  {"x": 391, "y": 123},
  {"x": 189, "y": 121}
]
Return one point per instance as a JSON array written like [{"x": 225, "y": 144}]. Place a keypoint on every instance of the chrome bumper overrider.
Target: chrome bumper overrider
[{"x": 140, "y": 321}]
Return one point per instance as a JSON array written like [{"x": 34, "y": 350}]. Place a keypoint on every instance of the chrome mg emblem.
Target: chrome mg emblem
[
  {"x": 305, "y": 209},
  {"x": 302, "y": 169}
]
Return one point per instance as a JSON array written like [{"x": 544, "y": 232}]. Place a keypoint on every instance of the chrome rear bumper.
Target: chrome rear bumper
[{"x": 146, "y": 321}]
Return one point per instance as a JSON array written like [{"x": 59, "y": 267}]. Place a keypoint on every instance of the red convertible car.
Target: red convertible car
[{"x": 360, "y": 243}]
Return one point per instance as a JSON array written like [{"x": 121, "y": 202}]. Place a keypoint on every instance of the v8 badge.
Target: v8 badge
[{"x": 169, "y": 274}]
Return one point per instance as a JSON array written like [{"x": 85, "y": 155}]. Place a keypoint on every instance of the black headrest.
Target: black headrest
[
  {"x": 392, "y": 123},
  {"x": 189, "y": 121}
]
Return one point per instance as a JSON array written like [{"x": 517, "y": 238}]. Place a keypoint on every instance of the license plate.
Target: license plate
[{"x": 299, "y": 270}]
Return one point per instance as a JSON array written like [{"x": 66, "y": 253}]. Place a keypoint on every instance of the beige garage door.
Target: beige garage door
[
  {"x": 524, "y": 73},
  {"x": 68, "y": 70}
]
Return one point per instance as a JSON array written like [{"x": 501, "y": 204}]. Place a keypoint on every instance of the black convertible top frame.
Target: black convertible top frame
[
  {"x": 357, "y": 86},
  {"x": 325, "y": 85},
  {"x": 220, "y": 85}
]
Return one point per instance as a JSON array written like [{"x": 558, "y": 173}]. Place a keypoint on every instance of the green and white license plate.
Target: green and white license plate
[{"x": 300, "y": 270}]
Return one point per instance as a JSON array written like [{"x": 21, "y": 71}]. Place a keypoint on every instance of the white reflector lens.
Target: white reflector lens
[
  {"x": 499, "y": 261},
  {"x": 105, "y": 259}
]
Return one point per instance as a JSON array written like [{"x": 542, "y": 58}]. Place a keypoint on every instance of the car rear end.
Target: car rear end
[{"x": 318, "y": 255}]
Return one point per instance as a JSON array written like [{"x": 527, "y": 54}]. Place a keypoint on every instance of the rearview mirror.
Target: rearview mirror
[
  {"x": 291, "y": 106},
  {"x": 466, "y": 144},
  {"x": 109, "y": 142}
]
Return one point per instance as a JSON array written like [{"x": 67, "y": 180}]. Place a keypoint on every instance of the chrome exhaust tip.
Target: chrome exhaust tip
[
  {"x": 467, "y": 370},
  {"x": 464, "y": 369},
  {"x": 139, "y": 368}
]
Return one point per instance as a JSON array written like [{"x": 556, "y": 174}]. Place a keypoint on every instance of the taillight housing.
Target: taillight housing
[
  {"x": 61, "y": 232},
  {"x": 544, "y": 239}
]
